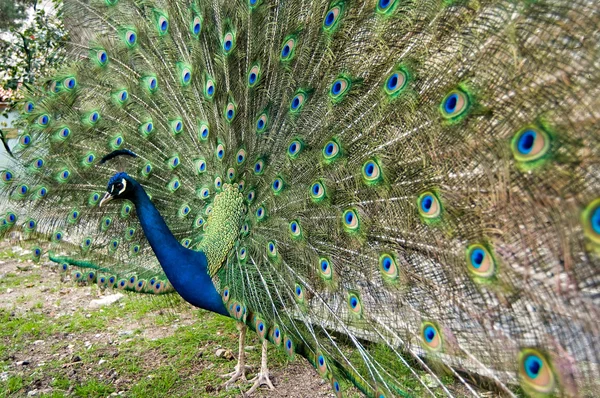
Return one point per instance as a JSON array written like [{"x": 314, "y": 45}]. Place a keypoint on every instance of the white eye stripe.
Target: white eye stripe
[{"x": 124, "y": 186}]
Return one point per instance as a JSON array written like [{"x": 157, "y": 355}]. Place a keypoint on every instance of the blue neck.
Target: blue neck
[{"x": 186, "y": 269}]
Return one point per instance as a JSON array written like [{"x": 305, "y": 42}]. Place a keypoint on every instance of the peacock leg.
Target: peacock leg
[
  {"x": 262, "y": 378},
  {"x": 239, "y": 372}
]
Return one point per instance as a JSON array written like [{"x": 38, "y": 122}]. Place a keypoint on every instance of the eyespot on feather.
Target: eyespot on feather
[
  {"x": 535, "y": 372},
  {"x": 430, "y": 336}
]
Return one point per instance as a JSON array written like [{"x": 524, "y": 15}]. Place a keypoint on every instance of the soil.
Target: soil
[{"x": 45, "y": 293}]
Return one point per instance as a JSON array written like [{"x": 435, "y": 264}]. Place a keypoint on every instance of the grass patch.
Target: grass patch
[{"x": 93, "y": 388}]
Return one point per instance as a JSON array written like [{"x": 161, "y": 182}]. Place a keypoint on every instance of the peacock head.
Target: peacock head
[{"x": 120, "y": 186}]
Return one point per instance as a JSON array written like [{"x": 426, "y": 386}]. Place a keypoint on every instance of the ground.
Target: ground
[{"x": 52, "y": 344}]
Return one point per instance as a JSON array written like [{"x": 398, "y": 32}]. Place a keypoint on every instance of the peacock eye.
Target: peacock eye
[
  {"x": 339, "y": 88},
  {"x": 287, "y": 50},
  {"x": 385, "y": 6},
  {"x": 455, "y": 105},
  {"x": 331, "y": 18}
]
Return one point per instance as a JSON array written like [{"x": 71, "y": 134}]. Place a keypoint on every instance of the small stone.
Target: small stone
[
  {"x": 106, "y": 300},
  {"x": 249, "y": 348},
  {"x": 126, "y": 333},
  {"x": 100, "y": 362},
  {"x": 32, "y": 393},
  {"x": 76, "y": 358},
  {"x": 220, "y": 353},
  {"x": 9, "y": 290},
  {"x": 22, "y": 363}
]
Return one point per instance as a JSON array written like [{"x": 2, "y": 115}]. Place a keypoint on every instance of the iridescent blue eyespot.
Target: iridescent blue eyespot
[
  {"x": 259, "y": 167},
  {"x": 336, "y": 88},
  {"x": 6, "y": 175},
  {"x": 429, "y": 334},
  {"x": 354, "y": 304},
  {"x": 331, "y": 151},
  {"x": 196, "y": 25},
  {"x": 70, "y": 83},
  {"x": 294, "y": 149},
  {"x": 429, "y": 206},
  {"x": 163, "y": 25},
  {"x": 350, "y": 220},
  {"x": 536, "y": 373},
  {"x": 220, "y": 151},
  {"x": 228, "y": 42},
  {"x": 317, "y": 191},
  {"x": 386, "y": 6},
  {"x": 455, "y": 105},
  {"x": 94, "y": 116},
  {"x": 431, "y": 337},
  {"x": 25, "y": 140},
  {"x": 396, "y": 83},
  {"x": 339, "y": 89},
  {"x": 131, "y": 37},
  {"x": 329, "y": 18}
]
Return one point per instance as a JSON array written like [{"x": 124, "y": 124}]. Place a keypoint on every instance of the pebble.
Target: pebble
[
  {"x": 32, "y": 393},
  {"x": 222, "y": 353},
  {"x": 22, "y": 363},
  {"x": 100, "y": 362},
  {"x": 106, "y": 300}
]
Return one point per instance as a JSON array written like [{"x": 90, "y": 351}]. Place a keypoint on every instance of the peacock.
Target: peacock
[{"x": 373, "y": 185}]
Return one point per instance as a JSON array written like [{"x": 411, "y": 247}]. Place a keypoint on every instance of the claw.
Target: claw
[
  {"x": 234, "y": 376},
  {"x": 239, "y": 372},
  {"x": 262, "y": 378}
]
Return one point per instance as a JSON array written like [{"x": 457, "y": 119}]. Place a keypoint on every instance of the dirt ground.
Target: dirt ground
[{"x": 54, "y": 344}]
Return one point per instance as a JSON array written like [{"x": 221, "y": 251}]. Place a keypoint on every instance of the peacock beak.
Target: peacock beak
[{"x": 107, "y": 198}]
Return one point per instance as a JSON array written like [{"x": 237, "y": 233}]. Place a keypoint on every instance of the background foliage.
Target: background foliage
[{"x": 30, "y": 48}]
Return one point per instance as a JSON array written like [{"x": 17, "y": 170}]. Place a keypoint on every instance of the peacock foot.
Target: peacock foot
[
  {"x": 262, "y": 378},
  {"x": 239, "y": 373}
]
